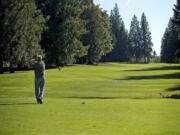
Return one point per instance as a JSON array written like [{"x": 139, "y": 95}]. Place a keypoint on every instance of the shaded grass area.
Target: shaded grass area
[
  {"x": 176, "y": 88},
  {"x": 159, "y": 68},
  {"x": 11, "y": 104},
  {"x": 118, "y": 99},
  {"x": 164, "y": 76}
]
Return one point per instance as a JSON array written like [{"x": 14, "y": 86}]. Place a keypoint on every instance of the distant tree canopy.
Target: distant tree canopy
[
  {"x": 78, "y": 31},
  {"x": 170, "y": 47},
  {"x": 67, "y": 32},
  {"x": 146, "y": 39},
  {"x": 176, "y": 22},
  {"x": 21, "y": 26},
  {"x": 134, "y": 39},
  {"x": 120, "y": 37},
  {"x": 98, "y": 37},
  {"x": 140, "y": 44},
  {"x": 176, "y": 18}
]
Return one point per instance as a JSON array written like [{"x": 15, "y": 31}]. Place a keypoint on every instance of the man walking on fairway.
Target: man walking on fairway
[{"x": 39, "y": 70}]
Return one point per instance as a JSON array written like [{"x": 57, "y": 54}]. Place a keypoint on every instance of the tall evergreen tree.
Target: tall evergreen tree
[
  {"x": 44, "y": 6},
  {"x": 120, "y": 37},
  {"x": 87, "y": 2},
  {"x": 135, "y": 40},
  {"x": 146, "y": 39},
  {"x": 3, "y": 48},
  {"x": 176, "y": 18},
  {"x": 168, "y": 46},
  {"x": 176, "y": 22},
  {"x": 65, "y": 29},
  {"x": 98, "y": 38},
  {"x": 22, "y": 26}
]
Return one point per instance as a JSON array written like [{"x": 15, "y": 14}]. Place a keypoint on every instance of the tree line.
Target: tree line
[
  {"x": 170, "y": 47},
  {"x": 135, "y": 46},
  {"x": 69, "y": 31}
]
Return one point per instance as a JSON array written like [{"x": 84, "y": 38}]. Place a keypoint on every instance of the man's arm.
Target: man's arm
[{"x": 32, "y": 62}]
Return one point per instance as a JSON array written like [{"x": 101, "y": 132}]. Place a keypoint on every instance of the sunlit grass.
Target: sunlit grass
[{"x": 120, "y": 99}]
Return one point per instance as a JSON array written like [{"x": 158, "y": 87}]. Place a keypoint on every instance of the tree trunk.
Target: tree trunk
[
  {"x": 136, "y": 60},
  {"x": 144, "y": 59},
  {"x": 1, "y": 67},
  {"x": 11, "y": 68}
]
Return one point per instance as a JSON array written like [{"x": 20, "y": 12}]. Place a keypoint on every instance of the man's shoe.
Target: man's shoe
[{"x": 40, "y": 101}]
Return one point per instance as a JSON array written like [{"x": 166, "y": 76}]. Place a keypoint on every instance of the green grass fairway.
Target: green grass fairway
[{"x": 120, "y": 99}]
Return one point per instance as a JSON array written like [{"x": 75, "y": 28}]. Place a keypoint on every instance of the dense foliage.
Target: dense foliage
[
  {"x": 146, "y": 39},
  {"x": 120, "y": 37},
  {"x": 140, "y": 44},
  {"x": 67, "y": 32},
  {"x": 176, "y": 22},
  {"x": 98, "y": 38},
  {"x": 21, "y": 27},
  {"x": 134, "y": 39},
  {"x": 170, "y": 47}
]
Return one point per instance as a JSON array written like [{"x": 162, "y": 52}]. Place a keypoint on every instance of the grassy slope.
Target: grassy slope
[{"x": 120, "y": 99}]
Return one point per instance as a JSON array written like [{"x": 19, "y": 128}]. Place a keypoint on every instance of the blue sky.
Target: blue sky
[{"x": 158, "y": 13}]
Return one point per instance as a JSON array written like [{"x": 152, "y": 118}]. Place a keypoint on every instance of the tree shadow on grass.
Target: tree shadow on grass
[
  {"x": 10, "y": 104},
  {"x": 94, "y": 97},
  {"x": 164, "y": 76},
  {"x": 159, "y": 68},
  {"x": 176, "y": 88},
  {"x": 175, "y": 96}
]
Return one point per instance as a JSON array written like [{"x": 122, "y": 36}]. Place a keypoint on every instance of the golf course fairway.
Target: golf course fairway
[{"x": 108, "y": 99}]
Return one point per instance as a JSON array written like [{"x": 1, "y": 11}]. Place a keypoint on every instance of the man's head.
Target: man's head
[{"x": 39, "y": 58}]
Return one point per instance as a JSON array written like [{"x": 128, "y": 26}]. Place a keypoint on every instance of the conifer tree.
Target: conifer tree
[
  {"x": 146, "y": 39},
  {"x": 86, "y": 2},
  {"x": 135, "y": 40},
  {"x": 22, "y": 26},
  {"x": 176, "y": 22},
  {"x": 65, "y": 29},
  {"x": 168, "y": 46},
  {"x": 44, "y": 6},
  {"x": 3, "y": 48},
  {"x": 98, "y": 38},
  {"x": 120, "y": 38},
  {"x": 176, "y": 18}
]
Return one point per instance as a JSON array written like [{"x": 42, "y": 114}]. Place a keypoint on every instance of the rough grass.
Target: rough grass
[{"x": 120, "y": 99}]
